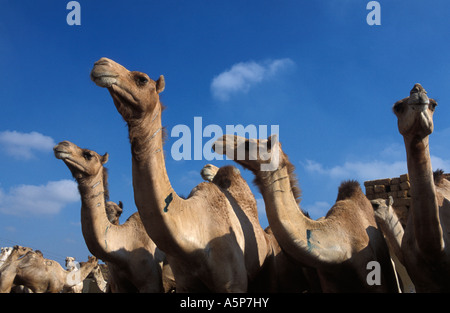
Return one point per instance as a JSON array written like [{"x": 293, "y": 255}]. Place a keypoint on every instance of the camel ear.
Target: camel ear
[
  {"x": 160, "y": 84},
  {"x": 391, "y": 201},
  {"x": 121, "y": 205},
  {"x": 104, "y": 158}
]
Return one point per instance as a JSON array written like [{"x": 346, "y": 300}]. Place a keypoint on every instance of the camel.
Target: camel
[
  {"x": 42, "y": 275},
  {"x": 99, "y": 279},
  {"x": 425, "y": 244},
  {"x": 392, "y": 229},
  {"x": 341, "y": 246},
  {"x": 114, "y": 211},
  {"x": 135, "y": 263},
  {"x": 72, "y": 265},
  {"x": 96, "y": 282},
  {"x": 9, "y": 255},
  {"x": 212, "y": 242},
  {"x": 13, "y": 254},
  {"x": 288, "y": 276},
  {"x": 5, "y": 252}
]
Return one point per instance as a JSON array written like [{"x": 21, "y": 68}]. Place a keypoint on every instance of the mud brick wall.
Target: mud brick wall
[{"x": 398, "y": 188}]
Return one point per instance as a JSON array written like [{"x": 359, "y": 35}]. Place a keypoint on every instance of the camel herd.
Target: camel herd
[{"x": 212, "y": 241}]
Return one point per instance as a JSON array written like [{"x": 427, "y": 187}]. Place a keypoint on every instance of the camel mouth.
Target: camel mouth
[
  {"x": 102, "y": 74},
  {"x": 66, "y": 157},
  {"x": 60, "y": 152},
  {"x": 61, "y": 155},
  {"x": 104, "y": 80}
]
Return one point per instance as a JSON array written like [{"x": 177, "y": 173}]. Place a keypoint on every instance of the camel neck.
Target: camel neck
[
  {"x": 154, "y": 196},
  {"x": 298, "y": 235},
  {"x": 423, "y": 193},
  {"x": 94, "y": 221}
]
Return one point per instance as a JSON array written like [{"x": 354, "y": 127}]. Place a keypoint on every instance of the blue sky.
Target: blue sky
[{"x": 314, "y": 68}]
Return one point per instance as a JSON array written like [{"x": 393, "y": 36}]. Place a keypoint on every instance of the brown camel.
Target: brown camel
[
  {"x": 114, "y": 211},
  {"x": 392, "y": 229},
  {"x": 340, "y": 246},
  {"x": 211, "y": 242},
  {"x": 134, "y": 260},
  {"x": 42, "y": 275},
  {"x": 425, "y": 243}
]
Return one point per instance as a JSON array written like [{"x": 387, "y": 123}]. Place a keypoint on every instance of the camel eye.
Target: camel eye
[
  {"x": 87, "y": 155},
  {"x": 141, "y": 80}
]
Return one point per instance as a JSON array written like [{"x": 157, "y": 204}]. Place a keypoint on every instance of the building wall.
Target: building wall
[{"x": 398, "y": 188}]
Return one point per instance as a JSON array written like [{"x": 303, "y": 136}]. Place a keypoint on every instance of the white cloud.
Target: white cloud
[
  {"x": 46, "y": 199},
  {"x": 242, "y": 76},
  {"x": 439, "y": 163},
  {"x": 24, "y": 145},
  {"x": 364, "y": 171},
  {"x": 361, "y": 171}
]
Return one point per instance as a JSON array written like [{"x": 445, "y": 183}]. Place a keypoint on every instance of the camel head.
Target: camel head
[
  {"x": 254, "y": 154},
  {"x": 82, "y": 163},
  {"x": 114, "y": 211},
  {"x": 134, "y": 93},
  {"x": 92, "y": 260},
  {"x": 415, "y": 113},
  {"x": 70, "y": 263},
  {"x": 22, "y": 250},
  {"x": 5, "y": 252},
  {"x": 381, "y": 207}
]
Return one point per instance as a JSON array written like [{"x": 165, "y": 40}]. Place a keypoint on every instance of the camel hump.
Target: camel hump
[
  {"x": 348, "y": 189},
  {"x": 438, "y": 176}
]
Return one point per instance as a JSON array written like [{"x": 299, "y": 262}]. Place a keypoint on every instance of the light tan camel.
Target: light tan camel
[
  {"x": 15, "y": 253},
  {"x": 425, "y": 245},
  {"x": 99, "y": 279},
  {"x": 211, "y": 243},
  {"x": 12, "y": 254},
  {"x": 134, "y": 260},
  {"x": 285, "y": 275},
  {"x": 392, "y": 229},
  {"x": 5, "y": 253},
  {"x": 42, "y": 275},
  {"x": 341, "y": 246},
  {"x": 72, "y": 265}
]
